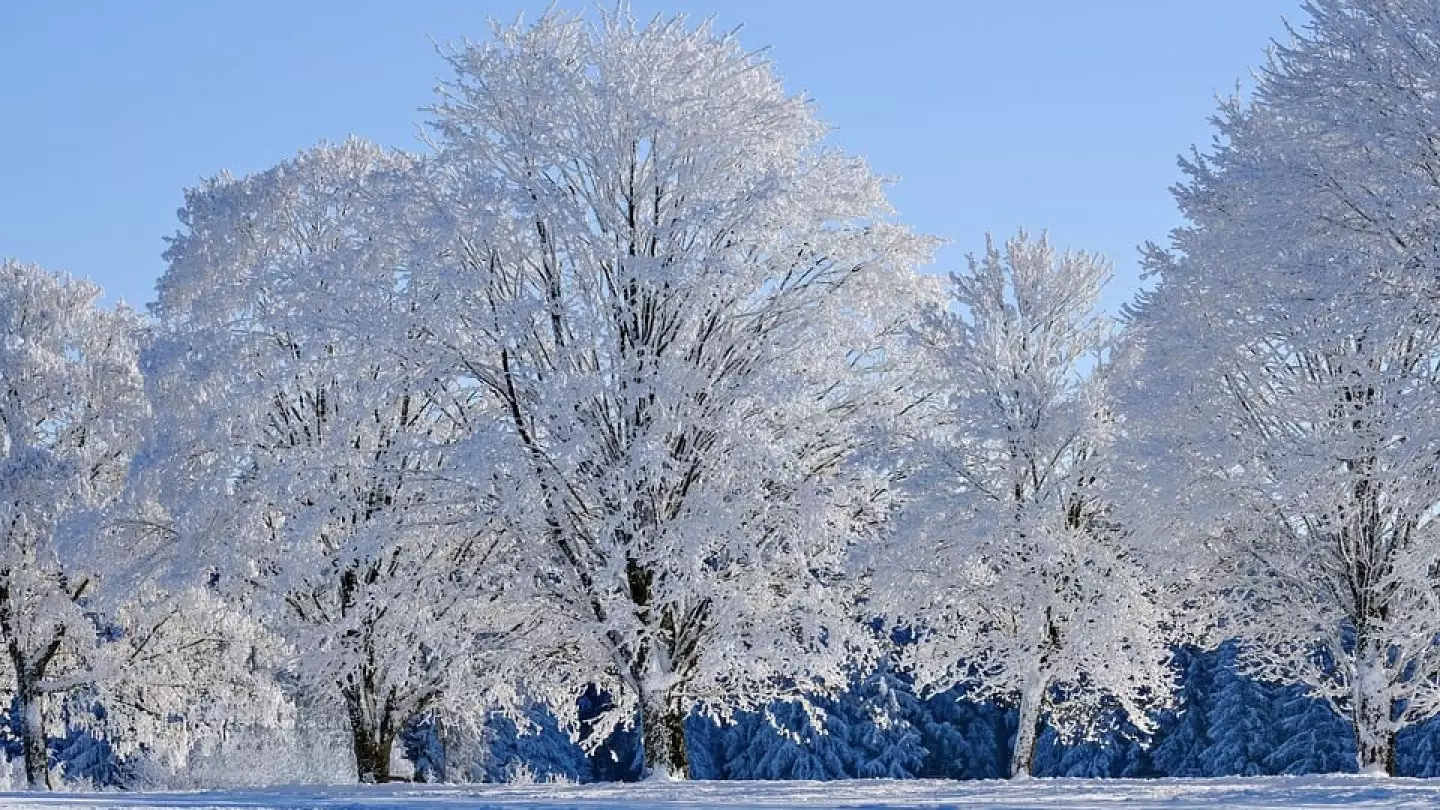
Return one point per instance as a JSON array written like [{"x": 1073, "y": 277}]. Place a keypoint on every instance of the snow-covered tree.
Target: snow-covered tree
[
  {"x": 1227, "y": 723},
  {"x": 72, "y": 403},
  {"x": 1111, "y": 752},
  {"x": 176, "y": 668},
  {"x": 685, "y": 305},
  {"x": 1184, "y": 729},
  {"x": 308, "y": 462},
  {"x": 1418, "y": 749},
  {"x": 80, "y": 609},
  {"x": 1291, "y": 370},
  {"x": 535, "y": 748},
  {"x": 1010, "y": 566}
]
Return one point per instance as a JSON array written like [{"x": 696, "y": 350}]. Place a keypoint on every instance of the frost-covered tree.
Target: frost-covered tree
[
  {"x": 308, "y": 462},
  {"x": 685, "y": 306},
  {"x": 80, "y": 610},
  {"x": 1291, "y": 371},
  {"x": 72, "y": 400},
  {"x": 72, "y": 403},
  {"x": 1010, "y": 566}
]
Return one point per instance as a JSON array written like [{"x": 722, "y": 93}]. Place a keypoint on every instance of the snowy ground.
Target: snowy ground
[{"x": 1175, "y": 794}]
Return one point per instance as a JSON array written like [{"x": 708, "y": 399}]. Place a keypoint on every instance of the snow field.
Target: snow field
[{"x": 1172, "y": 794}]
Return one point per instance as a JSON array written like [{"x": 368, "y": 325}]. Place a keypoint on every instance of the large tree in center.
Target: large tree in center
[
  {"x": 1292, "y": 366},
  {"x": 685, "y": 306}
]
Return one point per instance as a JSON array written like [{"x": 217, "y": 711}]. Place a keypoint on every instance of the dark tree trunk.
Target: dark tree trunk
[
  {"x": 1032, "y": 710},
  {"x": 31, "y": 715},
  {"x": 372, "y": 732},
  {"x": 30, "y": 667},
  {"x": 1374, "y": 733},
  {"x": 1376, "y": 754},
  {"x": 1371, "y": 712},
  {"x": 663, "y": 725},
  {"x": 30, "y": 700}
]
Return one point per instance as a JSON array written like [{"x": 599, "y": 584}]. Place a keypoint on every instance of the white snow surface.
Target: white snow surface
[{"x": 1173, "y": 794}]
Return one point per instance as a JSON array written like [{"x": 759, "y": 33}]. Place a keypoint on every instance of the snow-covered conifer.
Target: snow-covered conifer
[
  {"x": 1242, "y": 718},
  {"x": 963, "y": 739},
  {"x": 863, "y": 733},
  {"x": 1312, "y": 739}
]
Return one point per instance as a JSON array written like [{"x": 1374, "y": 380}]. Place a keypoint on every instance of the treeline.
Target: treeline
[
  {"x": 1224, "y": 724},
  {"x": 625, "y": 410}
]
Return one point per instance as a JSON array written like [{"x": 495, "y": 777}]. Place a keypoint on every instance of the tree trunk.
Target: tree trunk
[
  {"x": 1375, "y": 752},
  {"x": 30, "y": 667},
  {"x": 1032, "y": 706},
  {"x": 30, "y": 700},
  {"x": 663, "y": 726},
  {"x": 1371, "y": 715},
  {"x": 31, "y": 714},
  {"x": 372, "y": 732}
]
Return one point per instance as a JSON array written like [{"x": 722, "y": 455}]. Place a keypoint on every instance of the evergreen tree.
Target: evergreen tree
[
  {"x": 538, "y": 750},
  {"x": 1312, "y": 738},
  {"x": 888, "y": 746},
  {"x": 1111, "y": 756},
  {"x": 504, "y": 752},
  {"x": 783, "y": 742},
  {"x": 87, "y": 759},
  {"x": 1418, "y": 749},
  {"x": 421, "y": 740},
  {"x": 865, "y": 733},
  {"x": 620, "y": 757},
  {"x": 1184, "y": 732},
  {"x": 966, "y": 739},
  {"x": 706, "y": 738},
  {"x": 1228, "y": 724},
  {"x": 1112, "y": 752},
  {"x": 1239, "y": 717}
]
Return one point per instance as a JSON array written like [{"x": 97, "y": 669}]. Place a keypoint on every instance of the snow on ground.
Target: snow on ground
[{"x": 1080, "y": 794}]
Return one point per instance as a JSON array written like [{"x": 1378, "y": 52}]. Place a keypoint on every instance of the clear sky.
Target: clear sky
[{"x": 1055, "y": 115}]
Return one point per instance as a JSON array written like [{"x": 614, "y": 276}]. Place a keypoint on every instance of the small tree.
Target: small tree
[{"x": 1010, "y": 568}]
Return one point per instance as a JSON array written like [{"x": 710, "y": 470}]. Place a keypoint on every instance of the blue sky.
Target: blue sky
[{"x": 993, "y": 114}]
